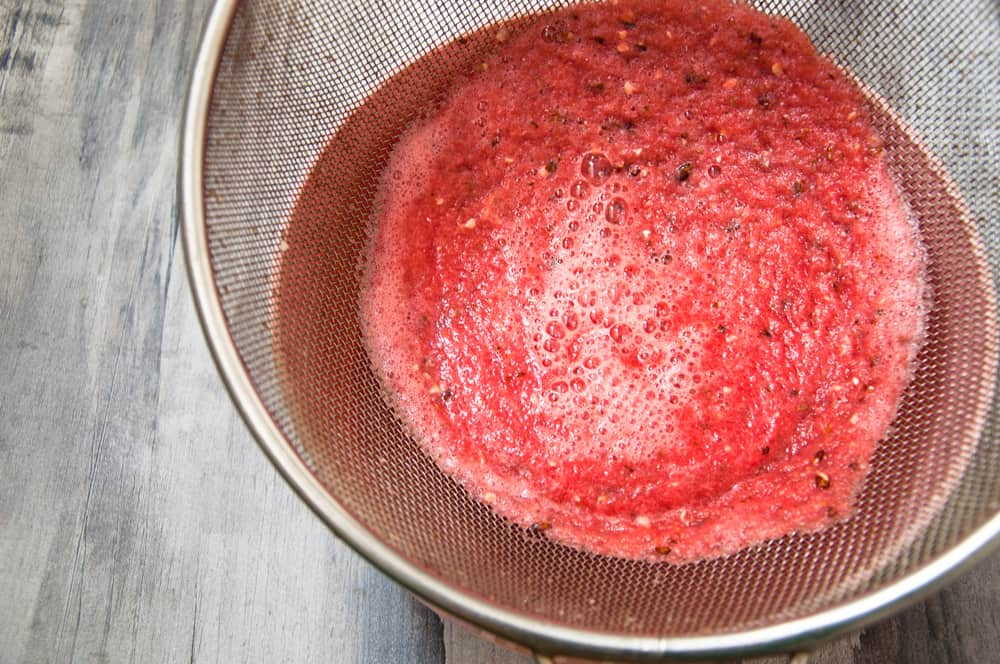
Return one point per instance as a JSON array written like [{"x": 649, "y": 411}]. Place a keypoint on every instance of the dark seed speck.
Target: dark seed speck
[{"x": 684, "y": 171}]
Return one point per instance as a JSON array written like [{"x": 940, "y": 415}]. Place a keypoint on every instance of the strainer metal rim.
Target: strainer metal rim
[{"x": 542, "y": 637}]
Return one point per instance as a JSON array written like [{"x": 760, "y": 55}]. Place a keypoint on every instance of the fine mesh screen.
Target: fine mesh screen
[{"x": 295, "y": 71}]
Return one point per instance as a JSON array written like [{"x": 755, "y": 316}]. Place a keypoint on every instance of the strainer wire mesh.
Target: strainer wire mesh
[{"x": 291, "y": 73}]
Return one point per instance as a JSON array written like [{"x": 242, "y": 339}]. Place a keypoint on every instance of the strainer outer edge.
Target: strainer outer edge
[{"x": 543, "y": 637}]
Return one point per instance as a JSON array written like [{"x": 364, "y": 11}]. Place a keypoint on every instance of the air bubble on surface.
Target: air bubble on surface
[
  {"x": 595, "y": 166},
  {"x": 615, "y": 212}
]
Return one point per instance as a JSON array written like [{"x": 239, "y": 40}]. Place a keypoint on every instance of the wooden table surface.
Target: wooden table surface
[{"x": 139, "y": 522}]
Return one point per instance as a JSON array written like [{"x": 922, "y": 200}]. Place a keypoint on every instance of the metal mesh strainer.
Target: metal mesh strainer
[{"x": 275, "y": 78}]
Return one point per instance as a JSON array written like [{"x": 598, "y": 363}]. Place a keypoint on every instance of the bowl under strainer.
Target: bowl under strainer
[{"x": 279, "y": 302}]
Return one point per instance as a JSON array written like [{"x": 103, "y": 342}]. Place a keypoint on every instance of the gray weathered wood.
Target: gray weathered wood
[
  {"x": 138, "y": 520},
  {"x": 461, "y": 646}
]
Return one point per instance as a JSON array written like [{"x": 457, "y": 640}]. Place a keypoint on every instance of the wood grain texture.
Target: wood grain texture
[
  {"x": 138, "y": 520},
  {"x": 461, "y": 646},
  {"x": 139, "y": 523}
]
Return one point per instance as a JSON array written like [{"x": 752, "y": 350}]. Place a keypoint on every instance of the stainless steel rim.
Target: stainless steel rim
[{"x": 542, "y": 637}]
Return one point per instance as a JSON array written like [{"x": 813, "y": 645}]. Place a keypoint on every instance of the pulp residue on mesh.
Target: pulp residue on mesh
[{"x": 643, "y": 281}]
